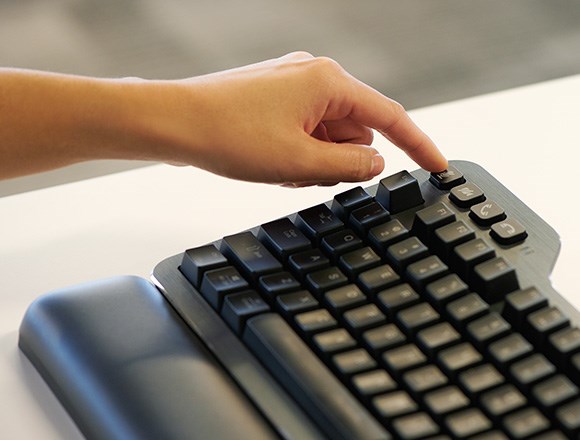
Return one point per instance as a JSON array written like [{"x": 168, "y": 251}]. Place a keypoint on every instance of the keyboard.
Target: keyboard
[
  {"x": 420, "y": 307},
  {"x": 416, "y": 307}
]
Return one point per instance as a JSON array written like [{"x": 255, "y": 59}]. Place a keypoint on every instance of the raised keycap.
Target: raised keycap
[{"x": 399, "y": 192}]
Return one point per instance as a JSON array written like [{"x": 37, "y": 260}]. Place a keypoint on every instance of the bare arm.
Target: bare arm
[{"x": 296, "y": 120}]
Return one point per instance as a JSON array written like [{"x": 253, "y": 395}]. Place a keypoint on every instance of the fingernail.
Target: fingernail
[{"x": 377, "y": 165}]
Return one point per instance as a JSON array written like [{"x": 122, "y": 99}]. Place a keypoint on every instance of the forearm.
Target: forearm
[{"x": 50, "y": 120}]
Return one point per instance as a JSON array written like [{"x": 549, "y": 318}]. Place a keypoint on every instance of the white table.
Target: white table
[{"x": 529, "y": 138}]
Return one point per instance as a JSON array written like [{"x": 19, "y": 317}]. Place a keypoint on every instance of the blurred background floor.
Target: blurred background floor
[{"x": 419, "y": 52}]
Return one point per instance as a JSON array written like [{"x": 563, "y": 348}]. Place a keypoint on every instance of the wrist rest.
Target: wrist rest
[{"x": 126, "y": 366}]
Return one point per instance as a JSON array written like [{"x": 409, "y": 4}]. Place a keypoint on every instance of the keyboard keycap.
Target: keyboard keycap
[
  {"x": 405, "y": 252},
  {"x": 374, "y": 280},
  {"x": 249, "y": 255},
  {"x": 467, "y": 423},
  {"x": 430, "y": 218},
  {"x": 362, "y": 219},
  {"x": 437, "y": 337},
  {"x": 478, "y": 379},
  {"x": 373, "y": 382},
  {"x": 519, "y": 304},
  {"x": 384, "y": 337},
  {"x": 199, "y": 260},
  {"x": 415, "y": 426},
  {"x": 354, "y": 361},
  {"x": 396, "y": 298},
  {"x": 318, "y": 221},
  {"x": 363, "y": 317},
  {"x": 447, "y": 179},
  {"x": 218, "y": 283},
  {"x": 466, "y": 195},
  {"x": 238, "y": 307},
  {"x": 347, "y": 201},
  {"x": 394, "y": 404},
  {"x": 487, "y": 213},
  {"x": 315, "y": 321},
  {"x": 283, "y": 238},
  {"x": 357, "y": 261},
  {"x": 326, "y": 279},
  {"x": 275, "y": 284},
  {"x": 502, "y": 401},
  {"x": 308, "y": 381},
  {"x": 532, "y": 369},
  {"x": 554, "y": 391},
  {"x": 525, "y": 423},
  {"x": 508, "y": 232},
  {"x": 386, "y": 234},
  {"x": 445, "y": 400},
  {"x": 569, "y": 417},
  {"x": 494, "y": 278},
  {"x": 468, "y": 255},
  {"x": 340, "y": 242},
  {"x": 399, "y": 192},
  {"x": 296, "y": 302},
  {"x": 333, "y": 340}
]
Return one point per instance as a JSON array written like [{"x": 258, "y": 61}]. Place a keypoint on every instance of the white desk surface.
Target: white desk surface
[{"x": 529, "y": 138}]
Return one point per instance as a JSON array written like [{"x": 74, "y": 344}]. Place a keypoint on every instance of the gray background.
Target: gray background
[{"x": 420, "y": 52}]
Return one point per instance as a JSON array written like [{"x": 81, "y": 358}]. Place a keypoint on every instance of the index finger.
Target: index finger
[{"x": 389, "y": 118}]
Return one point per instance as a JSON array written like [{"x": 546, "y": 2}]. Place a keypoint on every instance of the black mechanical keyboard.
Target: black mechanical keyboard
[{"x": 417, "y": 308}]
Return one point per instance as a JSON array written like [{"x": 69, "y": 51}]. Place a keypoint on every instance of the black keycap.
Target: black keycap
[
  {"x": 277, "y": 283},
  {"x": 308, "y": 381},
  {"x": 318, "y": 221},
  {"x": 425, "y": 271},
  {"x": 238, "y": 307},
  {"x": 554, "y": 391},
  {"x": 510, "y": 349},
  {"x": 417, "y": 317},
  {"x": 379, "y": 278},
  {"x": 508, "y": 232},
  {"x": 487, "y": 213},
  {"x": 415, "y": 426},
  {"x": 467, "y": 308},
  {"x": 459, "y": 357},
  {"x": 283, "y": 238},
  {"x": 373, "y": 382},
  {"x": 362, "y": 219},
  {"x": 199, "y": 260},
  {"x": 487, "y": 329},
  {"x": 333, "y": 340},
  {"x": 569, "y": 417},
  {"x": 363, "y": 318},
  {"x": 396, "y": 298},
  {"x": 217, "y": 283},
  {"x": 447, "y": 179},
  {"x": 469, "y": 254},
  {"x": 531, "y": 370},
  {"x": 447, "y": 237},
  {"x": 340, "y": 242},
  {"x": 542, "y": 322},
  {"x": 394, "y": 404},
  {"x": 405, "y": 252},
  {"x": 357, "y": 261},
  {"x": 308, "y": 261},
  {"x": 444, "y": 290},
  {"x": 518, "y": 305},
  {"x": 445, "y": 400},
  {"x": 479, "y": 379},
  {"x": 399, "y": 192},
  {"x": 345, "y": 297},
  {"x": 249, "y": 255},
  {"x": 467, "y": 423},
  {"x": 563, "y": 344},
  {"x": 296, "y": 302},
  {"x": 430, "y": 218},
  {"x": 437, "y": 337},
  {"x": 401, "y": 359},
  {"x": 345, "y": 202},
  {"x": 354, "y": 361},
  {"x": 386, "y": 234},
  {"x": 424, "y": 379},
  {"x": 324, "y": 280},
  {"x": 502, "y": 400},
  {"x": 466, "y": 195},
  {"x": 494, "y": 278},
  {"x": 315, "y": 321},
  {"x": 525, "y": 423},
  {"x": 383, "y": 338}
]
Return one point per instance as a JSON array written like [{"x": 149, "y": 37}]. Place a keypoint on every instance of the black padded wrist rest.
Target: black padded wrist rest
[{"x": 120, "y": 360}]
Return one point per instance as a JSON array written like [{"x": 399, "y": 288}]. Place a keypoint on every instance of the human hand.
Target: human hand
[{"x": 296, "y": 121}]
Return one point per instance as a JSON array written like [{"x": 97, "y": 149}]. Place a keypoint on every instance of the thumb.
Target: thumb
[{"x": 340, "y": 162}]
